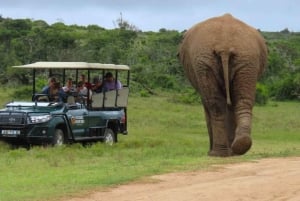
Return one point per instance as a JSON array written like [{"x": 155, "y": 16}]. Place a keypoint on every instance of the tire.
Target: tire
[
  {"x": 109, "y": 137},
  {"x": 58, "y": 138}
]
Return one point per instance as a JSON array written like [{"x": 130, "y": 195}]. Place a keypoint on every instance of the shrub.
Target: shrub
[
  {"x": 262, "y": 94},
  {"x": 187, "y": 96},
  {"x": 23, "y": 92},
  {"x": 286, "y": 88}
]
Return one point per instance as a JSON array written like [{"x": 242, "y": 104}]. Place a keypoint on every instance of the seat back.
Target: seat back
[
  {"x": 123, "y": 97},
  {"x": 97, "y": 100},
  {"x": 113, "y": 98},
  {"x": 110, "y": 98},
  {"x": 71, "y": 100}
]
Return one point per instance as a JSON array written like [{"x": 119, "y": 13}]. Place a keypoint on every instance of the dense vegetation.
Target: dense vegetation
[{"x": 151, "y": 55}]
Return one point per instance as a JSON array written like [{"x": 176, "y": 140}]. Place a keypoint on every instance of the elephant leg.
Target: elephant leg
[
  {"x": 244, "y": 97},
  {"x": 230, "y": 127},
  {"x": 219, "y": 145},
  {"x": 208, "y": 125},
  {"x": 214, "y": 103}
]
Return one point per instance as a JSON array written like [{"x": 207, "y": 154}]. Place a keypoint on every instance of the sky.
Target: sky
[{"x": 153, "y": 15}]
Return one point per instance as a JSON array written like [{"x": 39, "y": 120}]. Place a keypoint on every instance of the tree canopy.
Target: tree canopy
[{"x": 151, "y": 55}]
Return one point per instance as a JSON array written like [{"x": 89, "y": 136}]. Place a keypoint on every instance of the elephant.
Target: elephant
[{"x": 223, "y": 58}]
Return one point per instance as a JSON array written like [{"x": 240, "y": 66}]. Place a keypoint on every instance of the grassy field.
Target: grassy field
[{"x": 163, "y": 137}]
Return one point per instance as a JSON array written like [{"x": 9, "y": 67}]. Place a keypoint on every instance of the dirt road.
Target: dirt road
[{"x": 263, "y": 180}]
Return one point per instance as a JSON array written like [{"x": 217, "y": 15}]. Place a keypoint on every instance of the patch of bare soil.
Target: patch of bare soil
[{"x": 263, "y": 180}]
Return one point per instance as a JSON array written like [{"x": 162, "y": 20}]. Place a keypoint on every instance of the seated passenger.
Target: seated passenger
[
  {"x": 69, "y": 88},
  {"x": 54, "y": 91},
  {"x": 110, "y": 83},
  {"x": 86, "y": 84},
  {"x": 82, "y": 79},
  {"x": 97, "y": 85},
  {"x": 83, "y": 91}
]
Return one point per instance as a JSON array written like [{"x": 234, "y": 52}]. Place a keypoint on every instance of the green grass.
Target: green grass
[{"x": 163, "y": 137}]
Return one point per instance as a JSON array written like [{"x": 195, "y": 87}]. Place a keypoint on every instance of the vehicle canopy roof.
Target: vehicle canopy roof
[{"x": 73, "y": 65}]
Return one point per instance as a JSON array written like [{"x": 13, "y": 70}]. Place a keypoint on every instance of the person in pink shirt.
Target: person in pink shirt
[{"x": 110, "y": 83}]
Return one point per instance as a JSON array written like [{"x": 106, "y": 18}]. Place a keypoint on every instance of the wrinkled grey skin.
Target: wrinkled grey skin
[{"x": 223, "y": 58}]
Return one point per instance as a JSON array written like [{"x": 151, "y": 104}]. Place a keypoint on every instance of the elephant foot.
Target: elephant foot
[
  {"x": 220, "y": 151},
  {"x": 241, "y": 144}
]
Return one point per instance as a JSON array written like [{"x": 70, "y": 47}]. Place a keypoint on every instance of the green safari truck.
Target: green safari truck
[{"x": 100, "y": 116}]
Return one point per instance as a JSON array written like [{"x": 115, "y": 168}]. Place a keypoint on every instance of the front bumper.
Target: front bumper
[{"x": 27, "y": 135}]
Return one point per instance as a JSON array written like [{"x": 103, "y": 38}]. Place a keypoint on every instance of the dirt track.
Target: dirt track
[{"x": 264, "y": 180}]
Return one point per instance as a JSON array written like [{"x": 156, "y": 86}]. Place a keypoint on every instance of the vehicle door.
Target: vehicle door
[
  {"x": 79, "y": 121},
  {"x": 97, "y": 118}
]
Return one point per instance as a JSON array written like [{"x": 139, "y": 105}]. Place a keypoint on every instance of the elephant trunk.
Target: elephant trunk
[{"x": 225, "y": 56}]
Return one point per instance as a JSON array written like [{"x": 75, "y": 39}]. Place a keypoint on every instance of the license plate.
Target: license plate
[{"x": 10, "y": 132}]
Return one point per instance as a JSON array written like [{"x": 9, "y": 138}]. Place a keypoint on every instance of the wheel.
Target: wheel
[
  {"x": 109, "y": 136},
  {"x": 58, "y": 138}
]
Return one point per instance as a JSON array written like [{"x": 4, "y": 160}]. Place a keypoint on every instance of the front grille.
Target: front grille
[{"x": 12, "y": 118}]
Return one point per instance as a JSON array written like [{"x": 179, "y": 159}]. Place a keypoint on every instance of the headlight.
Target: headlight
[{"x": 39, "y": 118}]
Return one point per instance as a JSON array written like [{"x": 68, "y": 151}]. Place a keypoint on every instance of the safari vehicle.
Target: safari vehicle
[{"x": 97, "y": 117}]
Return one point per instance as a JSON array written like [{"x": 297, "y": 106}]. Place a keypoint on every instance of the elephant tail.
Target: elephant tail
[{"x": 225, "y": 56}]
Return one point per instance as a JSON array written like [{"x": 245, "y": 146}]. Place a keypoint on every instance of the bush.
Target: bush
[
  {"x": 187, "y": 96},
  {"x": 286, "y": 88},
  {"x": 23, "y": 93},
  {"x": 262, "y": 94}
]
